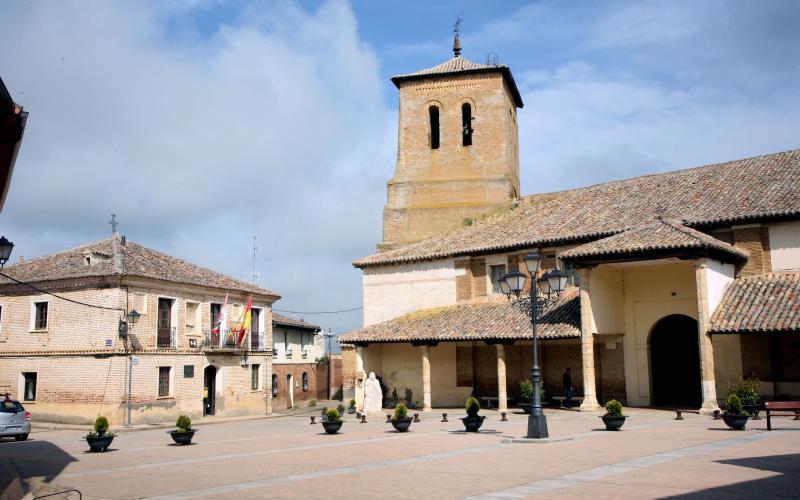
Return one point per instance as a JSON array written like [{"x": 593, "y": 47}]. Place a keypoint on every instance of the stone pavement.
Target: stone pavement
[{"x": 654, "y": 456}]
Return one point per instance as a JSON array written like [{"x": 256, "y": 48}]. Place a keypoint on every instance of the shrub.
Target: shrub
[
  {"x": 747, "y": 391},
  {"x": 341, "y": 409},
  {"x": 614, "y": 408},
  {"x": 101, "y": 425},
  {"x": 312, "y": 402},
  {"x": 332, "y": 415},
  {"x": 733, "y": 406},
  {"x": 184, "y": 423},
  {"x": 352, "y": 403},
  {"x": 526, "y": 391},
  {"x": 473, "y": 407},
  {"x": 400, "y": 412}
]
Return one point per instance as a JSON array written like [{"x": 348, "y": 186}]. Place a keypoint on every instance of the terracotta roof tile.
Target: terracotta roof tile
[
  {"x": 281, "y": 320},
  {"x": 725, "y": 193},
  {"x": 658, "y": 235},
  {"x": 764, "y": 303},
  {"x": 490, "y": 319},
  {"x": 134, "y": 259}
]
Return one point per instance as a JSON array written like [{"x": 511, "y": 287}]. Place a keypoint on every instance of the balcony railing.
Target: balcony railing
[
  {"x": 255, "y": 340},
  {"x": 225, "y": 340},
  {"x": 166, "y": 338}
]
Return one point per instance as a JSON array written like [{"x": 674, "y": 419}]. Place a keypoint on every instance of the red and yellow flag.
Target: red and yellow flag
[{"x": 246, "y": 319}]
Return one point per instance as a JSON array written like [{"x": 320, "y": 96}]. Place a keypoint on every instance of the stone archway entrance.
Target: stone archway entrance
[{"x": 675, "y": 362}]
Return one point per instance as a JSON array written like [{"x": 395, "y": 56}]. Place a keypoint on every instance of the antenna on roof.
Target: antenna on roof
[
  {"x": 492, "y": 59},
  {"x": 114, "y": 224},
  {"x": 256, "y": 274},
  {"x": 457, "y": 39}
]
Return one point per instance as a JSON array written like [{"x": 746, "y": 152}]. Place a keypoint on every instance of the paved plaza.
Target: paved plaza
[{"x": 653, "y": 456}]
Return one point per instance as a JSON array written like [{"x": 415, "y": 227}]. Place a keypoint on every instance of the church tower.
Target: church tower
[{"x": 457, "y": 151}]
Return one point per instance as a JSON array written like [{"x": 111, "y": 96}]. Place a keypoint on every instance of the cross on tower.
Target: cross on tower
[
  {"x": 457, "y": 39},
  {"x": 113, "y": 222}
]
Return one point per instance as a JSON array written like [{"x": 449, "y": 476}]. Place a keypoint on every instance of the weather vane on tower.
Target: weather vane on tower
[{"x": 457, "y": 39}]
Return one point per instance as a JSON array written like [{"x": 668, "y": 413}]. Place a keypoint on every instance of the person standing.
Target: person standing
[{"x": 566, "y": 379}]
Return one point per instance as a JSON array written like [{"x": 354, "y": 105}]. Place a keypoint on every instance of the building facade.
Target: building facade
[
  {"x": 71, "y": 351},
  {"x": 295, "y": 362},
  {"x": 681, "y": 283}
]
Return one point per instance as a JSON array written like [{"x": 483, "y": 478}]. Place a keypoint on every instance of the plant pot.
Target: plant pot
[
  {"x": 473, "y": 422},
  {"x": 613, "y": 423},
  {"x": 99, "y": 444},
  {"x": 526, "y": 407},
  {"x": 753, "y": 410},
  {"x": 351, "y": 410},
  {"x": 735, "y": 422},
  {"x": 182, "y": 437},
  {"x": 402, "y": 425},
  {"x": 332, "y": 427}
]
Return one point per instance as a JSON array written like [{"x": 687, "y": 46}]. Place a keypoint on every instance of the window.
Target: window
[
  {"x": 1, "y": 319},
  {"x": 254, "y": 376},
  {"x": 274, "y": 386},
  {"x": 466, "y": 124},
  {"x": 433, "y": 113},
  {"x": 165, "y": 337},
  {"x": 305, "y": 381},
  {"x": 29, "y": 388},
  {"x": 496, "y": 272},
  {"x": 163, "y": 381},
  {"x": 255, "y": 329},
  {"x": 40, "y": 316}
]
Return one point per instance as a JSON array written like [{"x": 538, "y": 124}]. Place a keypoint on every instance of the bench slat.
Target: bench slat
[{"x": 782, "y": 405}]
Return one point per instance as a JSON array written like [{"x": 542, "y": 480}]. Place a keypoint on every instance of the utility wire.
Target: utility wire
[
  {"x": 59, "y": 296},
  {"x": 318, "y": 312}
]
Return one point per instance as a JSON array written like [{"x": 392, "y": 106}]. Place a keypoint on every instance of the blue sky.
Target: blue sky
[{"x": 202, "y": 124}]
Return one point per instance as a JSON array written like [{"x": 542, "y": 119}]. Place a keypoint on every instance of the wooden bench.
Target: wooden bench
[
  {"x": 488, "y": 400},
  {"x": 576, "y": 400},
  {"x": 678, "y": 415},
  {"x": 784, "y": 407}
]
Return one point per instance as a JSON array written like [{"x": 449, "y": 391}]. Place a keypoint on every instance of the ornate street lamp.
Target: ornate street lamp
[
  {"x": 550, "y": 286},
  {"x": 5, "y": 251}
]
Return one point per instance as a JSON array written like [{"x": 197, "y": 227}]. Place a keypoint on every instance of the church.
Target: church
[{"x": 680, "y": 283}]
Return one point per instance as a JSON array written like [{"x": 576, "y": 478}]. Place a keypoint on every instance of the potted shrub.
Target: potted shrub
[
  {"x": 352, "y": 407},
  {"x": 332, "y": 421},
  {"x": 526, "y": 395},
  {"x": 748, "y": 393},
  {"x": 100, "y": 439},
  {"x": 735, "y": 416},
  {"x": 324, "y": 413},
  {"x": 473, "y": 421},
  {"x": 613, "y": 417},
  {"x": 400, "y": 419},
  {"x": 184, "y": 432},
  {"x": 340, "y": 408}
]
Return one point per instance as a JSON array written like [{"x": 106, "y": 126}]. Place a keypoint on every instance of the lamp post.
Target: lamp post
[
  {"x": 550, "y": 286},
  {"x": 133, "y": 317}
]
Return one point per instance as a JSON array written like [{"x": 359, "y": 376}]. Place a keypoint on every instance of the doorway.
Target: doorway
[
  {"x": 675, "y": 362},
  {"x": 209, "y": 389},
  {"x": 289, "y": 391}
]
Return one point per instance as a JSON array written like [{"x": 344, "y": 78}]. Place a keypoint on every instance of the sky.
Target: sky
[{"x": 202, "y": 124}]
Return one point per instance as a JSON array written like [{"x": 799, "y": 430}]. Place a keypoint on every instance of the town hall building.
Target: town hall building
[{"x": 681, "y": 283}]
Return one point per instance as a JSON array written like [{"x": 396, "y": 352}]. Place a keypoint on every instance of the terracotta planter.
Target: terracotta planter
[
  {"x": 332, "y": 427},
  {"x": 182, "y": 437},
  {"x": 473, "y": 423},
  {"x": 613, "y": 423},
  {"x": 402, "y": 425},
  {"x": 99, "y": 444},
  {"x": 735, "y": 422}
]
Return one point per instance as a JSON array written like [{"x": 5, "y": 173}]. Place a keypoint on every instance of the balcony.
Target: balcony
[
  {"x": 225, "y": 340},
  {"x": 166, "y": 338},
  {"x": 255, "y": 340}
]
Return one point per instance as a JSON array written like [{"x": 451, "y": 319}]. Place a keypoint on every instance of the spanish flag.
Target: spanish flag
[{"x": 246, "y": 319}]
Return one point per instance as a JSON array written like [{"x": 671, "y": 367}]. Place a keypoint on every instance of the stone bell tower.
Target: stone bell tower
[{"x": 457, "y": 151}]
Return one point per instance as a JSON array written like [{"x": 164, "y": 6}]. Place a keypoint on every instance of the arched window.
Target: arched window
[
  {"x": 466, "y": 124},
  {"x": 433, "y": 112},
  {"x": 274, "y": 385},
  {"x": 305, "y": 381}
]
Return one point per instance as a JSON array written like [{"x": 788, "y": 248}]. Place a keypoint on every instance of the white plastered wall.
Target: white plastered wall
[
  {"x": 727, "y": 348},
  {"x": 784, "y": 246}
]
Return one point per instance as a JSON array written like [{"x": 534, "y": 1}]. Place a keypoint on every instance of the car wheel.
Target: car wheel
[{"x": 21, "y": 437}]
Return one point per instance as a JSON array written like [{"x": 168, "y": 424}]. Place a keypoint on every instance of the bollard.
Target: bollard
[
  {"x": 716, "y": 414},
  {"x": 416, "y": 417},
  {"x": 363, "y": 419},
  {"x": 680, "y": 416},
  {"x": 312, "y": 420},
  {"x": 503, "y": 417},
  {"x": 388, "y": 418},
  {"x": 444, "y": 417}
]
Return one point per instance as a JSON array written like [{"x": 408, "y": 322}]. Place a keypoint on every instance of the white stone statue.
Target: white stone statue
[{"x": 373, "y": 396}]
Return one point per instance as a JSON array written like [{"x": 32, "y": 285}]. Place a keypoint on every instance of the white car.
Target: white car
[{"x": 14, "y": 420}]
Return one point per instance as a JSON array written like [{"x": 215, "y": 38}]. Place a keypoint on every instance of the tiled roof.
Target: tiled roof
[
  {"x": 659, "y": 235},
  {"x": 492, "y": 319},
  {"x": 459, "y": 65},
  {"x": 132, "y": 259},
  {"x": 281, "y": 320},
  {"x": 725, "y": 193},
  {"x": 764, "y": 303}
]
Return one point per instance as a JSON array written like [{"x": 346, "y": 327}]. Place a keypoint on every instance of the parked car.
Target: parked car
[{"x": 14, "y": 420}]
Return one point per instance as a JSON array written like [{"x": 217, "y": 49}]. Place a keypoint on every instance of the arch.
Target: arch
[
  {"x": 466, "y": 124},
  {"x": 274, "y": 385},
  {"x": 305, "y": 382},
  {"x": 433, "y": 118},
  {"x": 675, "y": 362}
]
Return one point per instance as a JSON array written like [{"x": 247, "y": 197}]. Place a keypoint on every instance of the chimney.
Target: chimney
[{"x": 21, "y": 259}]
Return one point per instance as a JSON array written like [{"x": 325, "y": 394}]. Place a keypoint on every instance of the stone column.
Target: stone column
[
  {"x": 707, "y": 380},
  {"x": 587, "y": 344},
  {"x": 426, "y": 378},
  {"x": 359, "y": 388},
  {"x": 502, "y": 395}
]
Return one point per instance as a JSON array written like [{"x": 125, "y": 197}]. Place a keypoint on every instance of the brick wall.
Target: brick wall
[{"x": 755, "y": 241}]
